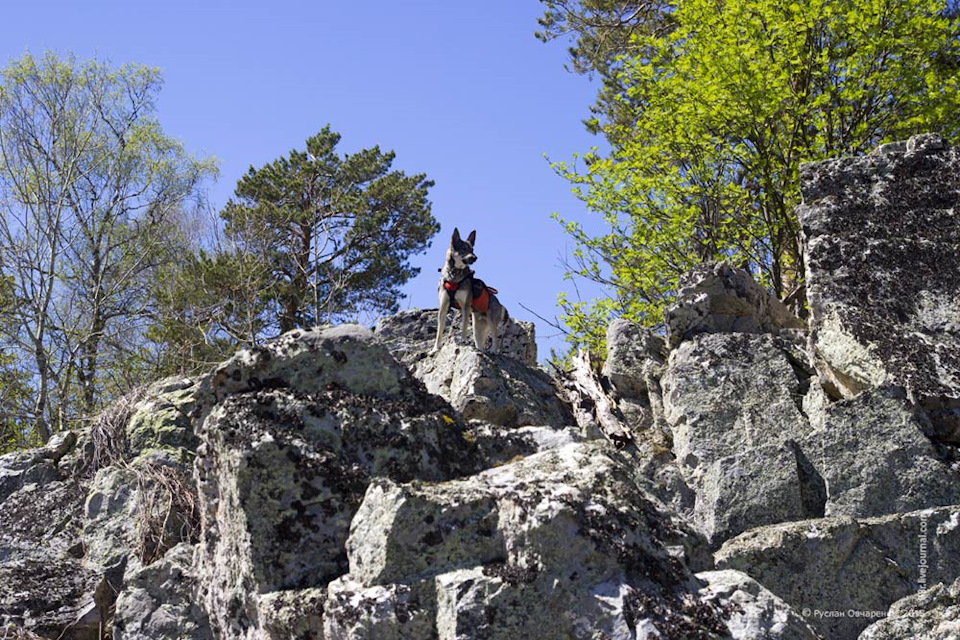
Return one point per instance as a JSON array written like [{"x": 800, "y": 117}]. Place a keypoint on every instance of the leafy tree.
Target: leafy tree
[
  {"x": 90, "y": 188},
  {"x": 333, "y": 234},
  {"x": 711, "y": 119}
]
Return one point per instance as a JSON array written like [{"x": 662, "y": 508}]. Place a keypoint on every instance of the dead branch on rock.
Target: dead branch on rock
[{"x": 593, "y": 407}]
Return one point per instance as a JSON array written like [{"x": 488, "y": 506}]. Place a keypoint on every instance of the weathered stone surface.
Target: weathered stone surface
[
  {"x": 880, "y": 241},
  {"x": 634, "y": 355},
  {"x": 34, "y": 465},
  {"x": 161, "y": 420},
  {"x": 387, "y": 612},
  {"x": 45, "y": 588},
  {"x": 411, "y": 531},
  {"x": 159, "y": 601},
  {"x": 874, "y": 458},
  {"x": 842, "y": 574},
  {"x": 292, "y": 615},
  {"x": 49, "y": 597},
  {"x": 410, "y": 335},
  {"x": 300, "y": 427},
  {"x": 932, "y": 614},
  {"x": 731, "y": 401},
  {"x": 754, "y": 611},
  {"x": 492, "y": 388},
  {"x": 559, "y": 544},
  {"x": 499, "y": 445},
  {"x": 718, "y": 298}
]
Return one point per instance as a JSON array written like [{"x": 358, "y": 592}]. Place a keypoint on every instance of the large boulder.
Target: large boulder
[
  {"x": 880, "y": 241},
  {"x": 732, "y": 402},
  {"x": 841, "y": 573},
  {"x": 46, "y": 588},
  {"x": 492, "y": 388},
  {"x": 716, "y": 297},
  {"x": 755, "y": 612},
  {"x": 931, "y": 614},
  {"x": 873, "y": 457},
  {"x": 292, "y": 433},
  {"x": 159, "y": 601},
  {"x": 564, "y": 543}
]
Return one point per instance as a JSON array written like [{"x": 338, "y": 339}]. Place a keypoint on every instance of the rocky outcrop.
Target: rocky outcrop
[
  {"x": 932, "y": 614},
  {"x": 880, "y": 241},
  {"x": 297, "y": 430},
  {"x": 841, "y": 573},
  {"x": 560, "y": 544},
  {"x": 732, "y": 403},
  {"x": 730, "y": 476},
  {"x": 718, "y": 298},
  {"x": 492, "y": 388},
  {"x": 754, "y": 611}
]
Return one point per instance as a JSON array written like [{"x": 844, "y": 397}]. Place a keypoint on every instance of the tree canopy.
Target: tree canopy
[
  {"x": 90, "y": 194},
  {"x": 310, "y": 238},
  {"x": 709, "y": 112}
]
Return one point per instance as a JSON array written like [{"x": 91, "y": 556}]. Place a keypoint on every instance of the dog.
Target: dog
[{"x": 459, "y": 287}]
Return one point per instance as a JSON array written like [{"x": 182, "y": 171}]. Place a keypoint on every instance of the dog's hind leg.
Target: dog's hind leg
[{"x": 481, "y": 324}]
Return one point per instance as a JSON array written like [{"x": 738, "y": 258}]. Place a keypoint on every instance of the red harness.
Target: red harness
[{"x": 480, "y": 302}]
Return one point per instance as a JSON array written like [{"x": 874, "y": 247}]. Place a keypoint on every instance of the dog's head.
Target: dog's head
[{"x": 462, "y": 250}]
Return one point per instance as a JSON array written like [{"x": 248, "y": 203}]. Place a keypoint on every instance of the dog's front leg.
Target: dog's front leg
[{"x": 444, "y": 300}]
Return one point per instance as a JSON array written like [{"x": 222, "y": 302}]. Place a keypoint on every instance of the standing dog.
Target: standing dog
[{"x": 460, "y": 288}]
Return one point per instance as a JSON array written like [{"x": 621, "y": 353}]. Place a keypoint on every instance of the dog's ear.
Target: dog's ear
[
  {"x": 472, "y": 238},
  {"x": 456, "y": 236}
]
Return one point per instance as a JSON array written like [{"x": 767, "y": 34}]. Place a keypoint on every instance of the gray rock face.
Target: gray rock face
[
  {"x": 161, "y": 420},
  {"x": 492, "y": 388},
  {"x": 717, "y": 298},
  {"x": 634, "y": 356},
  {"x": 880, "y": 240},
  {"x": 932, "y": 614},
  {"x": 874, "y": 458},
  {"x": 159, "y": 602},
  {"x": 410, "y": 334},
  {"x": 843, "y": 574},
  {"x": 754, "y": 611},
  {"x": 731, "y": 401},
  {"x": 559, "y": 544},
  {"x": 298, "y": 428}
]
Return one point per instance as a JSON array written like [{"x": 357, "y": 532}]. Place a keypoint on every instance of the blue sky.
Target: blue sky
[{"x": 460, "y": 91}]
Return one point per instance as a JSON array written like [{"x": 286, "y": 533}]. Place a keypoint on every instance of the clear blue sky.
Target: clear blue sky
[{"x": 461, "y": 91}]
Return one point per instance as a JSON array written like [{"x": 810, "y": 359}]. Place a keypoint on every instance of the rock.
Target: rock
[
  {"x": 292, "y": 615},
  {"x": 492, "y": 388},
  {"x": 45, "y": 588},
  {"x": 411, "y": 334},
  {"x": 718, "y": 298},
  {"x": 499, "y": 445},
  {"x": 880, "y": 239},
  {"x": 731, "y": 401},
  {"x": 932, "y": 614},
  {"x": 411, "y": 531},
  {"x": 298, "y": 429},
  {"x": 38, "y": 466},
  {"x": 842, "y": 574},
  {"x": 634, "y": 355},
  {"x": 135, "y": 512},
  {"x": 159, "y": 602},
  {"x": 49, "y": 597},
  {"x": 754, "y": 611},
  {"x": 161, "y": 420},
  {"x": 387, "y": 612},
  {"x": 874, "y": 458},
  {"x": 558, "y": 544}
]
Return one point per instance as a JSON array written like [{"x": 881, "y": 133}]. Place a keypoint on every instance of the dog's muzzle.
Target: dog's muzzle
[{"x": 469, "y": 258}]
